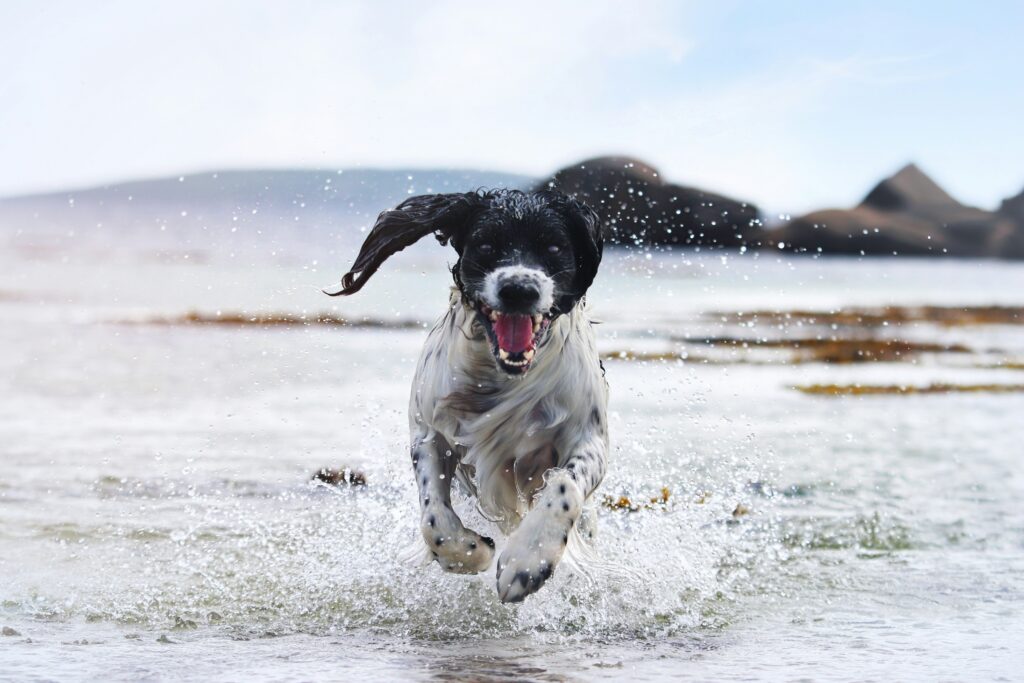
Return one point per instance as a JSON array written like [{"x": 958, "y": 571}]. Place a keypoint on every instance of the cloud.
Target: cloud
[
  {"x": 125, "y": 89},
  {"x": 713, "y": 94}
]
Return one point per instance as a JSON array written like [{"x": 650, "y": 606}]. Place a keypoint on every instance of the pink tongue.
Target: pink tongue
[{"x": 515, "y": 332}]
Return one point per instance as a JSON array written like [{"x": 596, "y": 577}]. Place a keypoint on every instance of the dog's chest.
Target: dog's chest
[
  {"x": 506, "y": 449},
  {"x": 518, "y": 418}
]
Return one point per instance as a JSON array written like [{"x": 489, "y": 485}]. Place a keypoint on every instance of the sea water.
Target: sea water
[{"x": 157, "y": 518}]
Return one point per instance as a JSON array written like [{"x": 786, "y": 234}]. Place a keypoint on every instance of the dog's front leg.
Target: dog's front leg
[
  {"x": 538, "y": 544},
  {"x": 456, "y": 548}
]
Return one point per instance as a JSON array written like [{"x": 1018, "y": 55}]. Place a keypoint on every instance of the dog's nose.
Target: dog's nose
[{"x": 517, "y": 296}]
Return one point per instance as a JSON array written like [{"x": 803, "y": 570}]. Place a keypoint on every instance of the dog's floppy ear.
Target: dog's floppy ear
[
  {"x": 588, "y": 242},
  {"x": 586, "y": 226},
  {"x": 445, "y": 215}
]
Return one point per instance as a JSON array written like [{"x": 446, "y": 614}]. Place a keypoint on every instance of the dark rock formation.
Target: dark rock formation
[
  {"x": 341, "y": 476},
  {"x": 909, "y": 214},
  {"x": 638, "y": 207},
  {"x": 1010, "y": 243}
]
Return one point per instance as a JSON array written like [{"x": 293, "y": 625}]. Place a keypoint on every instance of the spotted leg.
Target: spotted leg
[
  {"x": 535, "y": 548},
  {"x": 456, "y": 548}
]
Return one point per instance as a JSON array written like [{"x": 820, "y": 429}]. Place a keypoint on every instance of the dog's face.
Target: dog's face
[
  {"x": 524, "y": 259},
  {"x": 517, "y": 267}
]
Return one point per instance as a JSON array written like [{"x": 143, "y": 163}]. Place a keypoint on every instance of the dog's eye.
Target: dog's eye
[
  {"x": 554, "y": 249},
  {"x": 486, "y": 248}
]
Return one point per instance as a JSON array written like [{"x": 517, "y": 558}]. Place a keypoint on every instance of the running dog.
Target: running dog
[{"x": 509, "y": 396}]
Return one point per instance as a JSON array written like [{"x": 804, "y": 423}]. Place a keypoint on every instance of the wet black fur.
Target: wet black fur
[{"x": 527, "y": 223}]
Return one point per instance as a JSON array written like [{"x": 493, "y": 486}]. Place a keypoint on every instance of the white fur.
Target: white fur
[
  {"x": 532, "y": 448},
  {"x": 499, "y": 276}
]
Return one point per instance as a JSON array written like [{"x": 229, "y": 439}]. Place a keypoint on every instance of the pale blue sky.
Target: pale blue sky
[{"x": 794, "y": 105}]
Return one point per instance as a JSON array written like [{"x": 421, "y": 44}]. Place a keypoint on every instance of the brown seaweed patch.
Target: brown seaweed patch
[
  {"x": 342, "y": 476},
  {"x": 903, "y": 390},
  {"x": 644, "y": 356},
  {"x": 628, "y": 504},
  {"x": 630, "y": 355},
  {"x": 836, "y": 350},
  {"x": 946, "y": 316},
  {"x": 673, "y": 356},
  {"x": 1006, "y": 365},
  {"x": 239, "y": 319}
]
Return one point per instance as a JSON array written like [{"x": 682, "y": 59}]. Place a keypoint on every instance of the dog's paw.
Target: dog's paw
[
  {"x": 537, "y": 545},
  {"x": 520, "y": 576},
  {"x": 454, "y": 547}
]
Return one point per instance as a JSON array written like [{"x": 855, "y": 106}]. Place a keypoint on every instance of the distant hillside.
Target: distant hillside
[
  {"x": 302, "y": 203},
  {"x": 278, "y": 188},
  {"x": 272, "y": 212}
]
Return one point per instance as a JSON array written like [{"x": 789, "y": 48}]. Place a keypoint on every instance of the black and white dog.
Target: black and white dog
[{"x": 509, "y": 396}]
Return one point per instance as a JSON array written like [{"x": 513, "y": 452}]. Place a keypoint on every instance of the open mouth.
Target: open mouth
[{"x": 514, "y": 337}]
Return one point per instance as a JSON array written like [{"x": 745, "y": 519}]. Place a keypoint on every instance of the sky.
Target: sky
[{"x": 792, "y": 105}]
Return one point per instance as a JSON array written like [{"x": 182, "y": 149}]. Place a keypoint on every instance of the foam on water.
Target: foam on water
[{"x": 316, "y": 559}]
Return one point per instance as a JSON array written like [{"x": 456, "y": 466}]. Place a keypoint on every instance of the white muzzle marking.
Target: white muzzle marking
[{"x": 523, "y": 275}]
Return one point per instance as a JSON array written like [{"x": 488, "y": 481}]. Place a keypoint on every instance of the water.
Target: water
[{"x": 157, "y": 519}]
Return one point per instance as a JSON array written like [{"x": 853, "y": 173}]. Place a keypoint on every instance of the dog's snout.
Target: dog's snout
[
  {"x": 518, "y": 289},
  {"x": 519, "y": 296}
]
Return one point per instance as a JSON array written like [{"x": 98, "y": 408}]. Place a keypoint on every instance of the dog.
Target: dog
[{"x": 509, "y": 395}]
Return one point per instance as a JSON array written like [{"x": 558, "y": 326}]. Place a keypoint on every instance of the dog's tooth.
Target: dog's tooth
[
  {"x": 494, "y": 316},
  {"x": 538, "y": 318},
  {"x": 503, "y": 354},
  {"x": 528, "y": 355}
]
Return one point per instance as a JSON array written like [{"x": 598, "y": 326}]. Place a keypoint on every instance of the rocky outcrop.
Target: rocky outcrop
[
  {"x": 908, "y": 214},
  {"x": 1010, "y": 244},
  {"x": 637, "y": 206}
]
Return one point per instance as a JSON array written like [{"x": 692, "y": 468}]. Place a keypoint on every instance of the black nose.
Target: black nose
[{"x": 516, "y": 296}]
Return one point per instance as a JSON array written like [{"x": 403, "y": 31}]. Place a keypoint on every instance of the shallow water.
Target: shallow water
[{"x": 157, "y": 519}]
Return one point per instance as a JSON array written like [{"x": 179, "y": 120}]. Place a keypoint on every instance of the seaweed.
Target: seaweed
[
  {"x": 905, "y": 390},
  {"x": 946, "y": 316},
  {"x": 342, "y": 476},
  {"x": 625, "y": 503},
  {"x": 241, "y": 319}
]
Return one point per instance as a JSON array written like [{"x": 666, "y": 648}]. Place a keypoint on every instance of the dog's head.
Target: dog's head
[{"x": 524, "y": 259}]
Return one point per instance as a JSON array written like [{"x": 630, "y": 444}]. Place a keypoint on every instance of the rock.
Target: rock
[
  {"x": 909, "y": 187},
  {"x": 910, "y": 215},
  {"x": 1010, "y": 243},
  {"x": 8, "y": 631},
  {"x": 637, "y": 206},
  {"x": 1013, "y": 208},
  {"x": 342, "y": 476}
]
